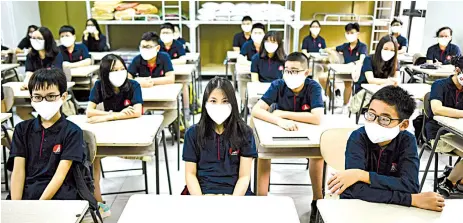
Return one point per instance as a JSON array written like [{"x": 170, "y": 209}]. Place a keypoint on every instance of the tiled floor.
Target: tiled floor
[{"x": 133, "y": 180}]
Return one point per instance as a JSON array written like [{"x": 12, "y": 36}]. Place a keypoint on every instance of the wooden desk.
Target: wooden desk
[
  {"x": 357, "y": 211},
  {"x": 242, "y": 69},
  {"x": 50, "y": 211},
  {"x": 207, "y": 209},
  {"x": 18, "y": 93},
  {"x": 255, "y": 90},
  {"x": 184, "y": 73},
  {"x": 7, "y": 67},
  {"x": 418, "y": 91},
  {"x": 344, "y": 73},
  {"x": 452, "y": 123},
  {"x": 83, "y": 71},
  {"x": 318, "y": 57},
  {"x": 443, "y": 72},
  {"x": 192, "y": 57},
  {"x": 97, "y": 56},
  {"x": 405, "y": 59},
  {"x": 161, "y": 97},
  {"x": 5, "y": 116}
]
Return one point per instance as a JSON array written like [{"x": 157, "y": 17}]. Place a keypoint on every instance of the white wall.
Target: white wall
[
  {"x": 439, "y": 14},
  {"x": 16, "y": 16}
]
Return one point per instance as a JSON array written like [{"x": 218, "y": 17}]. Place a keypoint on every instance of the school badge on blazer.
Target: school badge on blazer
[
  {"x": 233, "y": 153},
  {"x": 357, "y": 54},
  {"x": 126, "y": 102},
  {"x": 449, "y": 57},
  {"x": 319, "y": 45},
  {"x": 305, "y": 107},
  {"x": 175, "y": 54},
  {"x": 280, "y": 67},
  {"x": 394, "y": 167},
  {"x": 162, "y": 73},
  {"x": 57, "y": 149}
]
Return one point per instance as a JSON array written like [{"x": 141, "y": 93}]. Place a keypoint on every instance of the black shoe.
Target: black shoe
[
  {"x": 459, "y": 186},
  {"x": 445, "y": 174},
  {"x": 313, "y": 212},
  {"x": 445, "y": 188}
]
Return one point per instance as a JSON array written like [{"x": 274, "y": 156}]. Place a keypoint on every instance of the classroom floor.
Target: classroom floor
[{"x": 133, "y": 180}]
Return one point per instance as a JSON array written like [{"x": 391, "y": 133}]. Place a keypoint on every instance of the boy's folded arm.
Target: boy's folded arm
[
  {"x": 244, "y": 177},
  {"x": 169, "y": 78},
  {"x": 313, "y": 117},
  {"x": 364, "y": 192},
  {"x": 260, "y": 111},
  {"x": 439, "y": 109},
  {"x": 57, "y": 181},
  {"x": 18, "y": 178}
]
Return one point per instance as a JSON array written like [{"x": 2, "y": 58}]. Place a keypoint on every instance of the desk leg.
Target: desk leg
[
  {"x": 193, "y": 97},
  {"x": 360, "y": 111},
  {"x": 255, "y": 175},
  {"x": 333, "y": 93},
  {"x": 156, "y": 153},
  {"x": 234, "y": 78},
  {"x": 439, "y": 133},
  {"x": 326, "y": 88},
  {"x": 226, "y": 68},
  {"x": 245, "y": 112},
  {"x": 178, "y": 132}
]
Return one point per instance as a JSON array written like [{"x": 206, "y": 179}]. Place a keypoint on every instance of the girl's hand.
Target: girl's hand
[{"x": 342, "y": 180}]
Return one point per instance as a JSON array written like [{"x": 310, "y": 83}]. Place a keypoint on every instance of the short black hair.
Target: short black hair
[
  {"x": 258, "y": 26},
  {"x": 150, "y": 36},
  {"x": 351, "y": 26},
  {"x": 299, "y": 57},
  {"x": 246, "y": 18},
  {"x": 167, "y": 25},
  {"x": 46, "y": 77},
  {"x": 396, "y": 96},
  {"x": 457, "y": 61},
  {"x": 397, "y": 20},
  {"x": 444, "y": 28},
  {"x": 67, "y": 28}
]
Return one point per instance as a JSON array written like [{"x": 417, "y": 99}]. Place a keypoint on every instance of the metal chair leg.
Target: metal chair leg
[
  {"x": 436, "y": 166},
  {"x": 101, "y": 168},
  {"x": 307, "y": 167},
  {"x": 145, "y": 175},
  {"x": 5, "y": 171},
  {"x": 167, "y": 160},
  {"x": 439, "y": 133},
  {"x": 450, "y": 161}
]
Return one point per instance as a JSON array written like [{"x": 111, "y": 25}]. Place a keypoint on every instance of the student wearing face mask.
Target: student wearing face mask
[
  {"x": 240, "y": 38},
  {"x": 313, "y": 43},
  {"x": 218, "y": 151},
  {"x": 268, "y": 64},
  {"x": 396, "y": 29},
  {"x": 179, "y": 38},
  {"x": 74, "y": 55},
  {"x": 380, "y": 68},
  {"x": 297, "y": 99},
  {"x": 93, "y": 38},
  {"x": 252, "y": 46},
  {"x": 44, "y": 149},
  {"x": 444, "y": 50},
  {"x": 171, "y": 46},
  {"x": 382, "y": 161},
  {"x": 25, "y": 45}
]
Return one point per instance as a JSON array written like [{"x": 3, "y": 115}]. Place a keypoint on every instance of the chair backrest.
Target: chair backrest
[
  {"x": 427, "y": 105},
  {"x": 333, "y": 151},
  {"x": 9, "y": 97},
  {"x": 418, "y": 59},
  {"x": 90, "y": 141}
]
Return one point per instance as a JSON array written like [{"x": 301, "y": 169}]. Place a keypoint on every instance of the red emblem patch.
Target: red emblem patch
[
  {"x": 175, "y": 54},
  {"x": 57, "y": 148},
  {"x": 162, "y": 73},
  {"x": 449, "y": 57},
  {"x": 305, "y": 107},
  {"x": 80, "y": 58},
  {"x": 233, "y": 153},
  {"x": 319, "y": 45},
  {"x": 280, "y": 67},
  {"x": 127, "y": 102},
  {"x": 357, "y": 54}
]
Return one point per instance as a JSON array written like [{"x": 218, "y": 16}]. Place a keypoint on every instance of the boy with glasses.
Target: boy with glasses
[
  {"x": 381, "y": 158},
  {"x": 44, "y": 148}
]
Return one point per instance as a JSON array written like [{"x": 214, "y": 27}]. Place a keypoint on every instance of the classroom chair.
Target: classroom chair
[
  {"x": 7, "y": 135},
  {"x": 9, "y": 74},
  {"x": 9, "y": 101}
]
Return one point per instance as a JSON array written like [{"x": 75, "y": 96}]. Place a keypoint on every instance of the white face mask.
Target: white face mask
[
  {"x": 387, "y": 54},
  {"x": 67, "y": 41},
  {"x": 176, "y": 35},
  {"x": 246, "y": 28},
  {"x": 257, "y": 38},
  {"x": 47, "y": 109},
  {"x": 117, "y": 78},
  {"x": 460, "y": 78},
  {"x": 351, "y": 37},
  {"x": 396, "y": 29},
  {"x": 38, "y": 44},
  {"x": 91, "y": 29},
  {"x": 315, "y": 31},
  {"x": 271, "y": 47},
  {"x": 148, "y": 54},
  {"x": 294, "y": 81},
  {"x": 218, "y": 112},
  {"x": 443, "y": 41},
  {"x": 378, "y": 134},
  {"x": 167, "y": 38}
]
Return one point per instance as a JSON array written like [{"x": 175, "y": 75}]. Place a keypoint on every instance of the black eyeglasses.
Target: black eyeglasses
[
  {"x": 49, "y": 98},
  {"x": 292, "y": 72},
  {"x": 382, "y": 120}
]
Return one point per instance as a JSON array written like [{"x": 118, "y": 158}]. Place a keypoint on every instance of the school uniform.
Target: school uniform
[
  {"x": 447, "y": 92},
  {"x": 79, "y": 53},
  {"x": 248, "y": 49},
  {"x": 43, "y": 149},
  {"x": 393, "y": 169},
  {"x": 309, "y": 98},
  {"x": 351, "y": 55},
  {"x": 175, "y": 51},
  {"x": 444, "y": 56},
  {"x": 313, "y": 45},
  {"x": 183, "y": 42},
  {"x": 402, "y": 41},
  {"x": 34, "y": 63},
  {"x": 269, "y": 69},
  {"x": 25, "y": 43},
  {"x": 239, "y": 39},
  {"x": 94, "y": 45},
  {"x": 218, "y": 163},
  {"x": 117, "y": 102},
  {"x": 366, "y": 66},
  {"x": 140, "y": 68}
]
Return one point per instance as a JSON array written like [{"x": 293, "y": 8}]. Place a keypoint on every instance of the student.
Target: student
[
  {"x": 218, "y": 151},
  {"x": 74, "y": 55},
  {"x": 179, "y": 38},
  {"x": 25, "y": 44},
  {"x": 121, "y": 98},
  {"x": 353, "y": 52},
  {"x": 313, "y": 43},
  {"x": 93, "y": 38},
  {"x": 174, "y": 48},
  {"x": 396, "y": 29},
  {"x": 44, "y": 148},
  {"x": 240, "y": 38},
  {"x": 381, "y": 158},
  {"x": 267, "y": 65},
  {"x": 297, "y": 98},
  {"x": 379, "y": 68},
  {"x": 444, "y": 50},
  {"x": 44, "y": 54},
  {"x": 252, "y": 46}
]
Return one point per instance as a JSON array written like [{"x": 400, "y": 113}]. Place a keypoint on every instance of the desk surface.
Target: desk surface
[
  {"x": 404, "y": 58},
  {"x": 184, "y": 69},
  {"x": 418, "y": 91},
  {"x": 18, "y": 93},
  {"x": 51, "y": 211},
  {"x": 5, "y": 116},
  {"x": 342, "y": 68},
  {"x": 257, "y": 89},
  {"x": 192, "y": 57},
  {"x": 208, "y": 209},
  {"x": 84, "y": 71},
  {"x": 242, "y": 68},
  {"x": 443, "y": 71},
  {"x": 453, "y": 123},
  {"x": 232, "y": 55},
  {"x": 318, "y": 56},
  {"x": 168, "y": 92},
  {"x": 357, "y": 211},
  {"x": 266, "y": 131},
  {"x": 130, "y": 132},
  {"x": 5, "y": 67}
]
